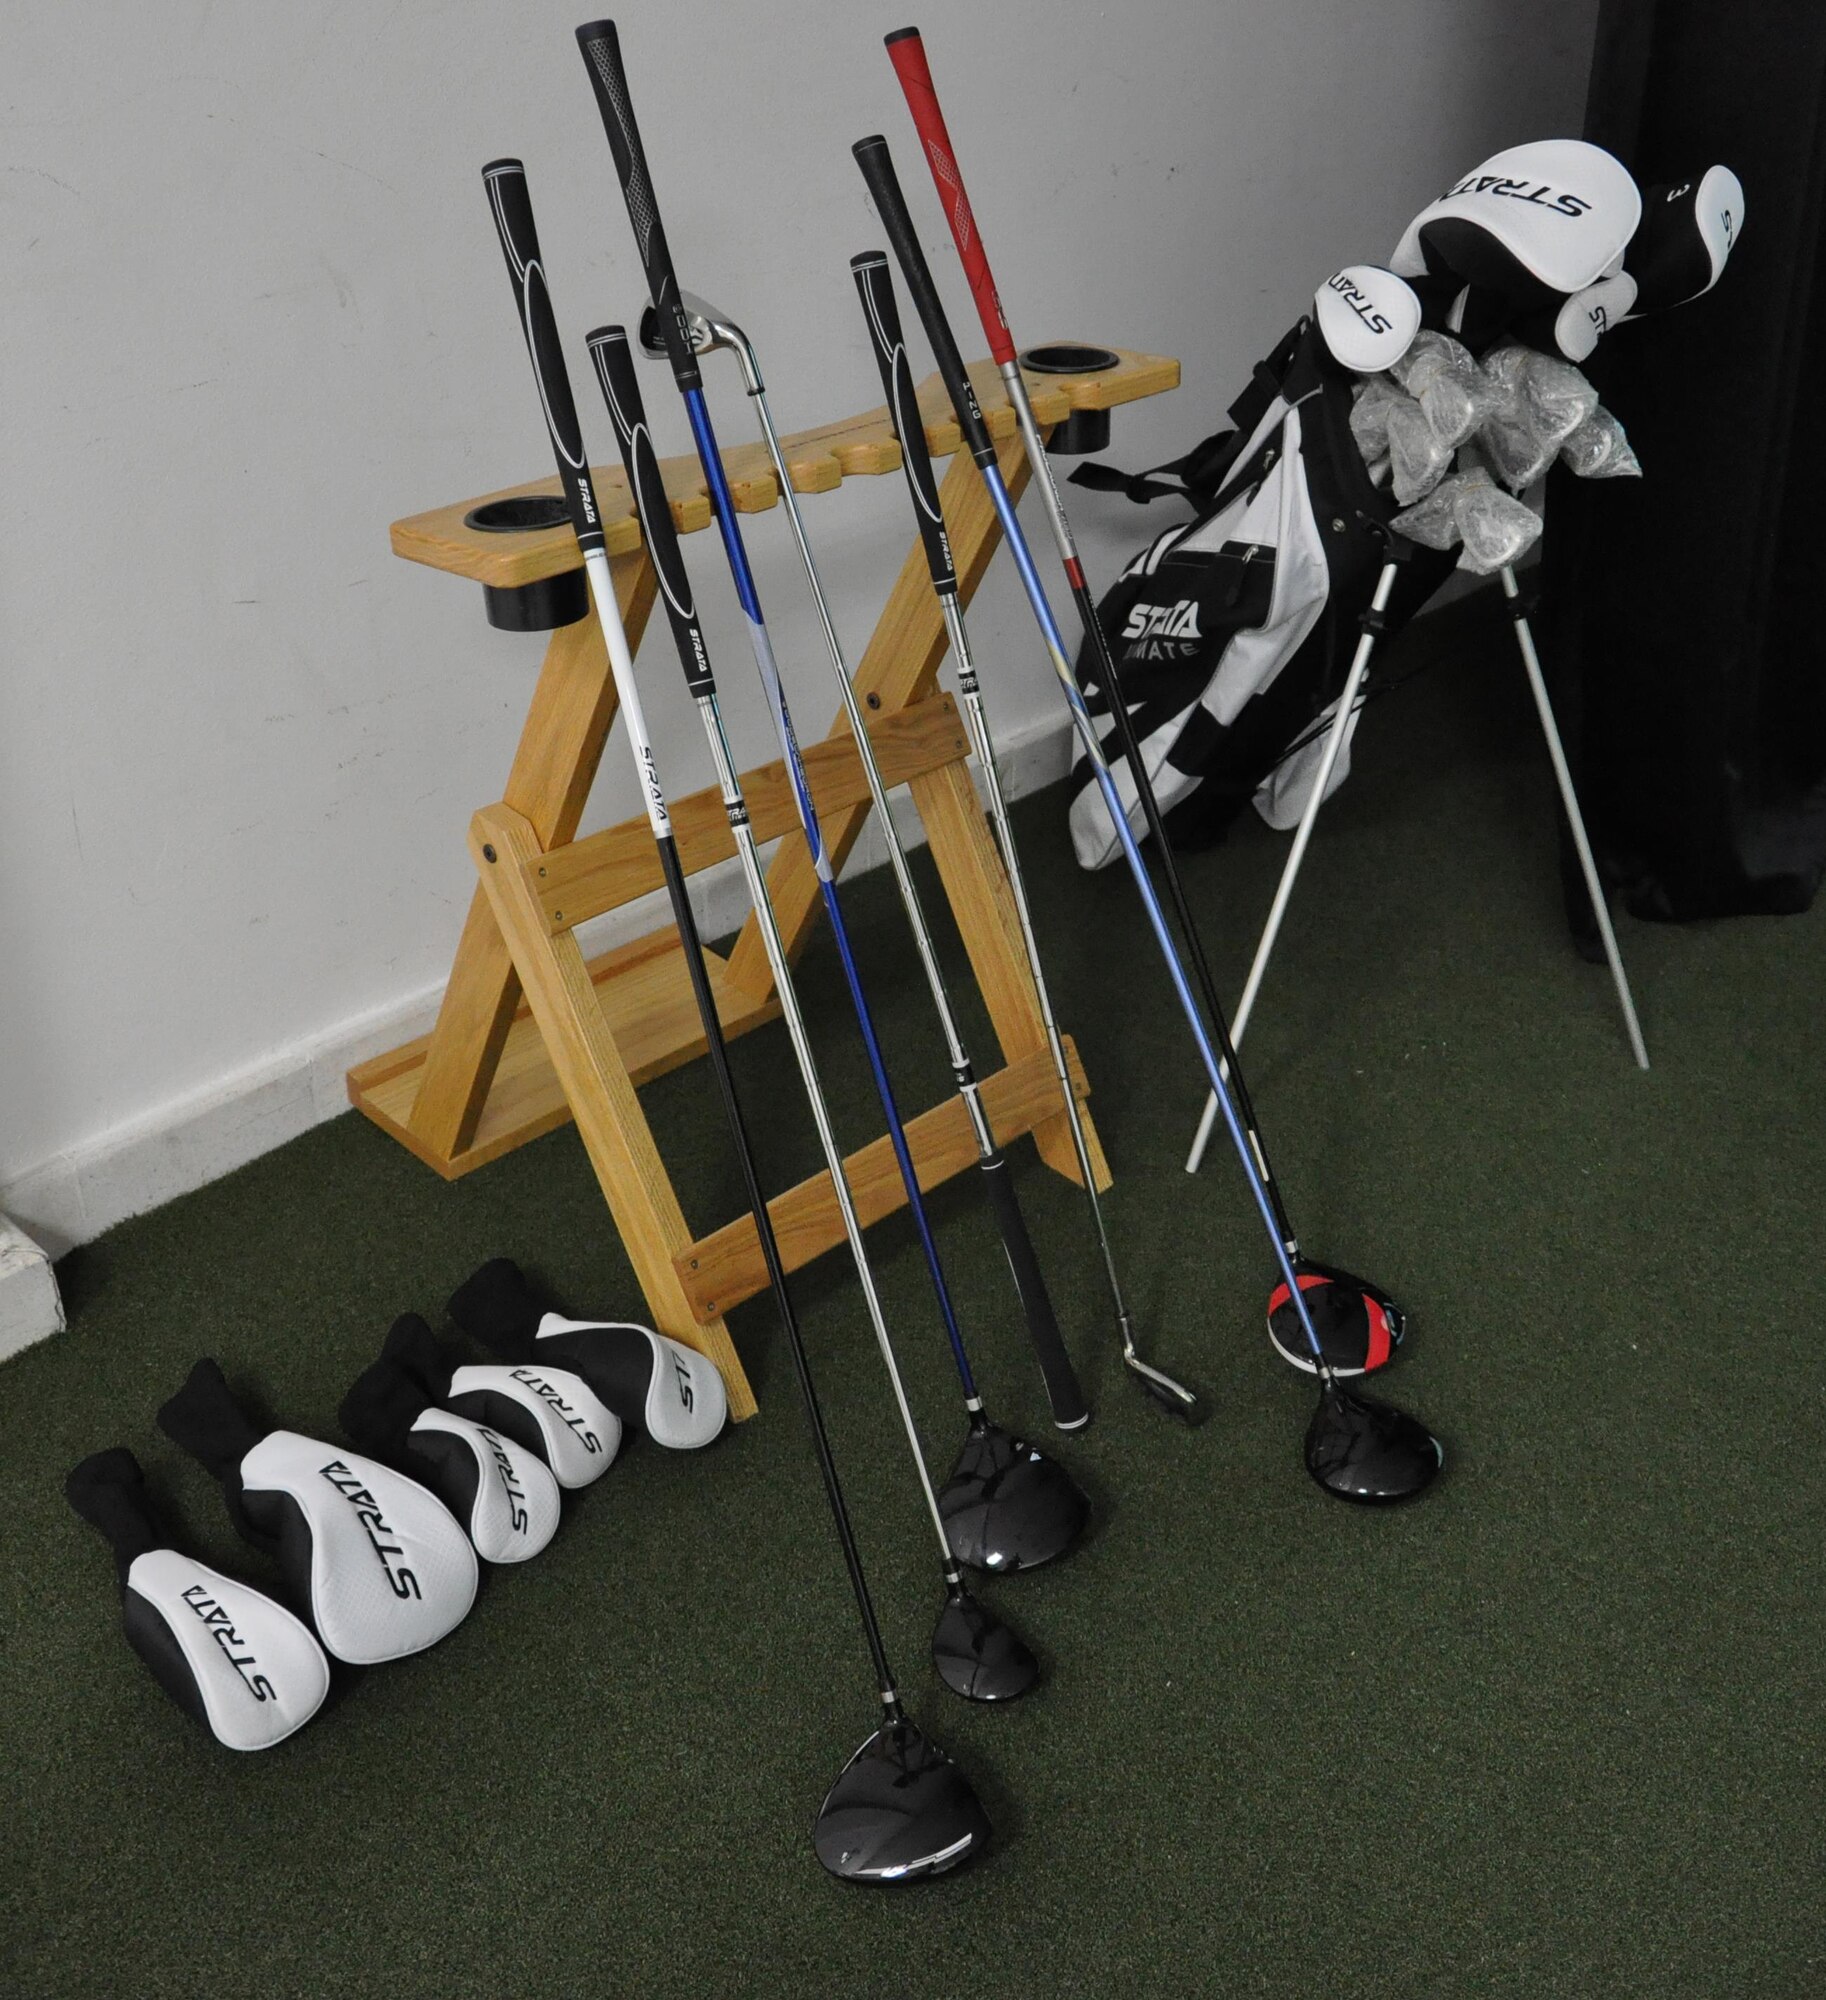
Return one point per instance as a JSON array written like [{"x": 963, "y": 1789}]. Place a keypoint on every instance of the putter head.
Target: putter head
[
  {"x": 1362, "y": 1450},
  {"x": 900, "y": 1809},
  {"x": 976, "y": 1655},
  {"x": 1007, "y": 1506}
]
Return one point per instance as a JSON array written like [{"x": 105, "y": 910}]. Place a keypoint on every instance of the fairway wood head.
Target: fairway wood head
[
  {"x": 976, "y": 1655},
  {"x": 1362, "y": 1450},
  {"x": 900, "y": 1809},
  {"x": 1007, "y": 1506}
]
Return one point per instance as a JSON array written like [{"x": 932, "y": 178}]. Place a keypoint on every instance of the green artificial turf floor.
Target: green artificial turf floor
[{"x": 1552, "y": 1731}]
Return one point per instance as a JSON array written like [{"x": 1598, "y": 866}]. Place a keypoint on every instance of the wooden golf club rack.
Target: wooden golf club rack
[{"x": 531, "y": 1034}]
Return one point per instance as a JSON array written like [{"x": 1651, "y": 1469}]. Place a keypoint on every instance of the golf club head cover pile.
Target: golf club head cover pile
[
  {"x": 381, "y": 1564},
  {"x": 229, "y": 1656},
  {"x": 501, "y": 1491},
  {"x": 668, "y": 1390}
]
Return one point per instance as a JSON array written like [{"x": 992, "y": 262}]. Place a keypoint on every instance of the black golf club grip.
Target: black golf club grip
[
  {"x": 602, "y": 58},
  {"x": 1063, "y": 1392},
  {"x": 875, "y": 286},
  {"x": 614, "y": 361},
  {"x": 505, "y": 181},
  {"x": 891, "y": 205}
]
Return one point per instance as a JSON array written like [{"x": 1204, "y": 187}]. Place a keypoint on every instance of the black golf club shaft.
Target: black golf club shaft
[
  {"x": 512, "y": 208},
  {"x": 907, "y": 52},
  {"x": 875, "y": 288}
]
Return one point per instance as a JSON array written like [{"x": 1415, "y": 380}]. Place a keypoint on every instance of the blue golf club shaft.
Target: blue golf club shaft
[{"x": 878, "y": 170}]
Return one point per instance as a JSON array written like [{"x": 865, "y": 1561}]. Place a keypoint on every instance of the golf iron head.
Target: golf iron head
[
  {"x": 1362, "y": 1450},
  {"x": 900, "y": 1809},
  {"x": 976, "y": 1655},
  {"x": 1007, "y": 1506}
]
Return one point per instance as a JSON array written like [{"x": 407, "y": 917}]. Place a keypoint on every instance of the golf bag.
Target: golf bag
[{"x": 1233, "y": 632}]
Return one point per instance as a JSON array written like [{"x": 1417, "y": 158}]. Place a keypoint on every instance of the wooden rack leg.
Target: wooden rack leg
[
  {"x": 602, "y": 1099},
  {"x": 553, "y": 769}
]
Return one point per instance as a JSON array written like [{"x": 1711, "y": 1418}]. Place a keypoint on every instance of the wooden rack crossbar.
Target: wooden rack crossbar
[{"x": 531, "y": 1034}]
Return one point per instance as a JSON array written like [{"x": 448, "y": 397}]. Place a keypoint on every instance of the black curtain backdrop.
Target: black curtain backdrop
[{"x": 1686, "y": 611}]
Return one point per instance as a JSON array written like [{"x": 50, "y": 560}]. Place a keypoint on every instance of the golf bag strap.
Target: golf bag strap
[{"x": 1199, "y": 476}]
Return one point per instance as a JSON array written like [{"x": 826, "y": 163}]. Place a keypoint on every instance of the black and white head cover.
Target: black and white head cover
[
  {"x": 501, "y": 1491},
  {"x": 1533, "y": 224},
  {"x": 1689, "y": 228},
  {"x": 1368, "y": 317},
  {"x": 670, "y": 1391},
  {"x": 240, "y": 1664},
  {"x": 549, "y": 1410},
  {"x": 381, "y": 1564}
]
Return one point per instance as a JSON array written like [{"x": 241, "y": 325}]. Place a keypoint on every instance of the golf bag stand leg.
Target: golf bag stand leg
[
  {"x": 1537, "y": 685},
  {"x": 1373, "y": 621}
]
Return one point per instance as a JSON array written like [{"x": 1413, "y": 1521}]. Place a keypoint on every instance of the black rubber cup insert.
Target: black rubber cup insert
[
  {"x": 519, "y": 515},
  {"x": 1069, "y": 357}
]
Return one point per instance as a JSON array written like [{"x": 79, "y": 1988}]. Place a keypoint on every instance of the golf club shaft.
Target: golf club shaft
[
  {"x": 610, "y": 351},
  {"x": 1066, "y": 1397},
  {"x": 875, "y": 288},
  {"x": 878, "y": 170},
  {"x": 907, "y": 52},
  {"x": 602, "y": 60},
  {"x": 1296, "y": 854},
  {"x": 512, "y": 209}
]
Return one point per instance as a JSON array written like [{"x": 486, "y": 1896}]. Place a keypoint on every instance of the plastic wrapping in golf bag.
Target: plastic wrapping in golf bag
[{"x": 1233, "y": 632}]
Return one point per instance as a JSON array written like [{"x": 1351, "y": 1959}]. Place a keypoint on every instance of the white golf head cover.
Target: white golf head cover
[
  {"x": 380, "y": 1562},
  {"x": 1589, "y": 315},
  {"x": 683, "y": 1404},
  {"x": 229, "y": 1656},
  {"x": 667, "y": 1389},
  {"x": 1368, "y": 317},
  {"x": 513, "y": 1505},
  {"x": 257, "y": 1672},
  {"x": 1535, "y": 220},
  {"x": 552, "y": 1411},
  {"x": 1689, "y": 229}
]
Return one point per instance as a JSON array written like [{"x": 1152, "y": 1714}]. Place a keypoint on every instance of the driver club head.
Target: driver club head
[
  {"x": 976, "y": 1655},
  {"x": 1007, "y": 1506},
  {"x": 1362, "y": 1450},
  {"x": 900, "y": 1809}
]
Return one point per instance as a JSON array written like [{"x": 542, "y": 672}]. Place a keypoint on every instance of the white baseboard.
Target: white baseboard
[
  {"x": 30, "y": 1306},
  {"x": 149, "y": 1160}
]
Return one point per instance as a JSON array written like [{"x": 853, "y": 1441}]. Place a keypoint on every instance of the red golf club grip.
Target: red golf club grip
[{"x": 908, "y": 55}]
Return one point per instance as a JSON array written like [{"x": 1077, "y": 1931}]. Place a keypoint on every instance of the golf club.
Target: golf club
[
  {"x": 1006, "y": 1506},
  {"x": 930, "y": 1819},
  {"x": 1356, "y": 1448},
  {"x": 875, "y": 287},
  {"x": 907, "y": 52},
  {"x": 710, "y": 331}
]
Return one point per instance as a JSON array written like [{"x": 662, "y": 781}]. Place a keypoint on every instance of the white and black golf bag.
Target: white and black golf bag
[{"x": 1233, "y": 632}]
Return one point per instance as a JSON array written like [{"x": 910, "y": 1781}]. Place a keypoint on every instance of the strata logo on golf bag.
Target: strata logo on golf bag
[{"x": 1232, "y": 632}]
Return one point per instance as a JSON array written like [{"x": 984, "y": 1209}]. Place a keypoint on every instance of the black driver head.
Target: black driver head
[
  {"x": 900, "y": 1809},
  {"x": 976, "y": 1655},
  {"x": 1362, "y": 1450},
  {"x": 1007, "y": 1506}
]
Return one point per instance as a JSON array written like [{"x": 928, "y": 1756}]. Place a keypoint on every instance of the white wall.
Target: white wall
[{"x": 254, "y": 309}]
